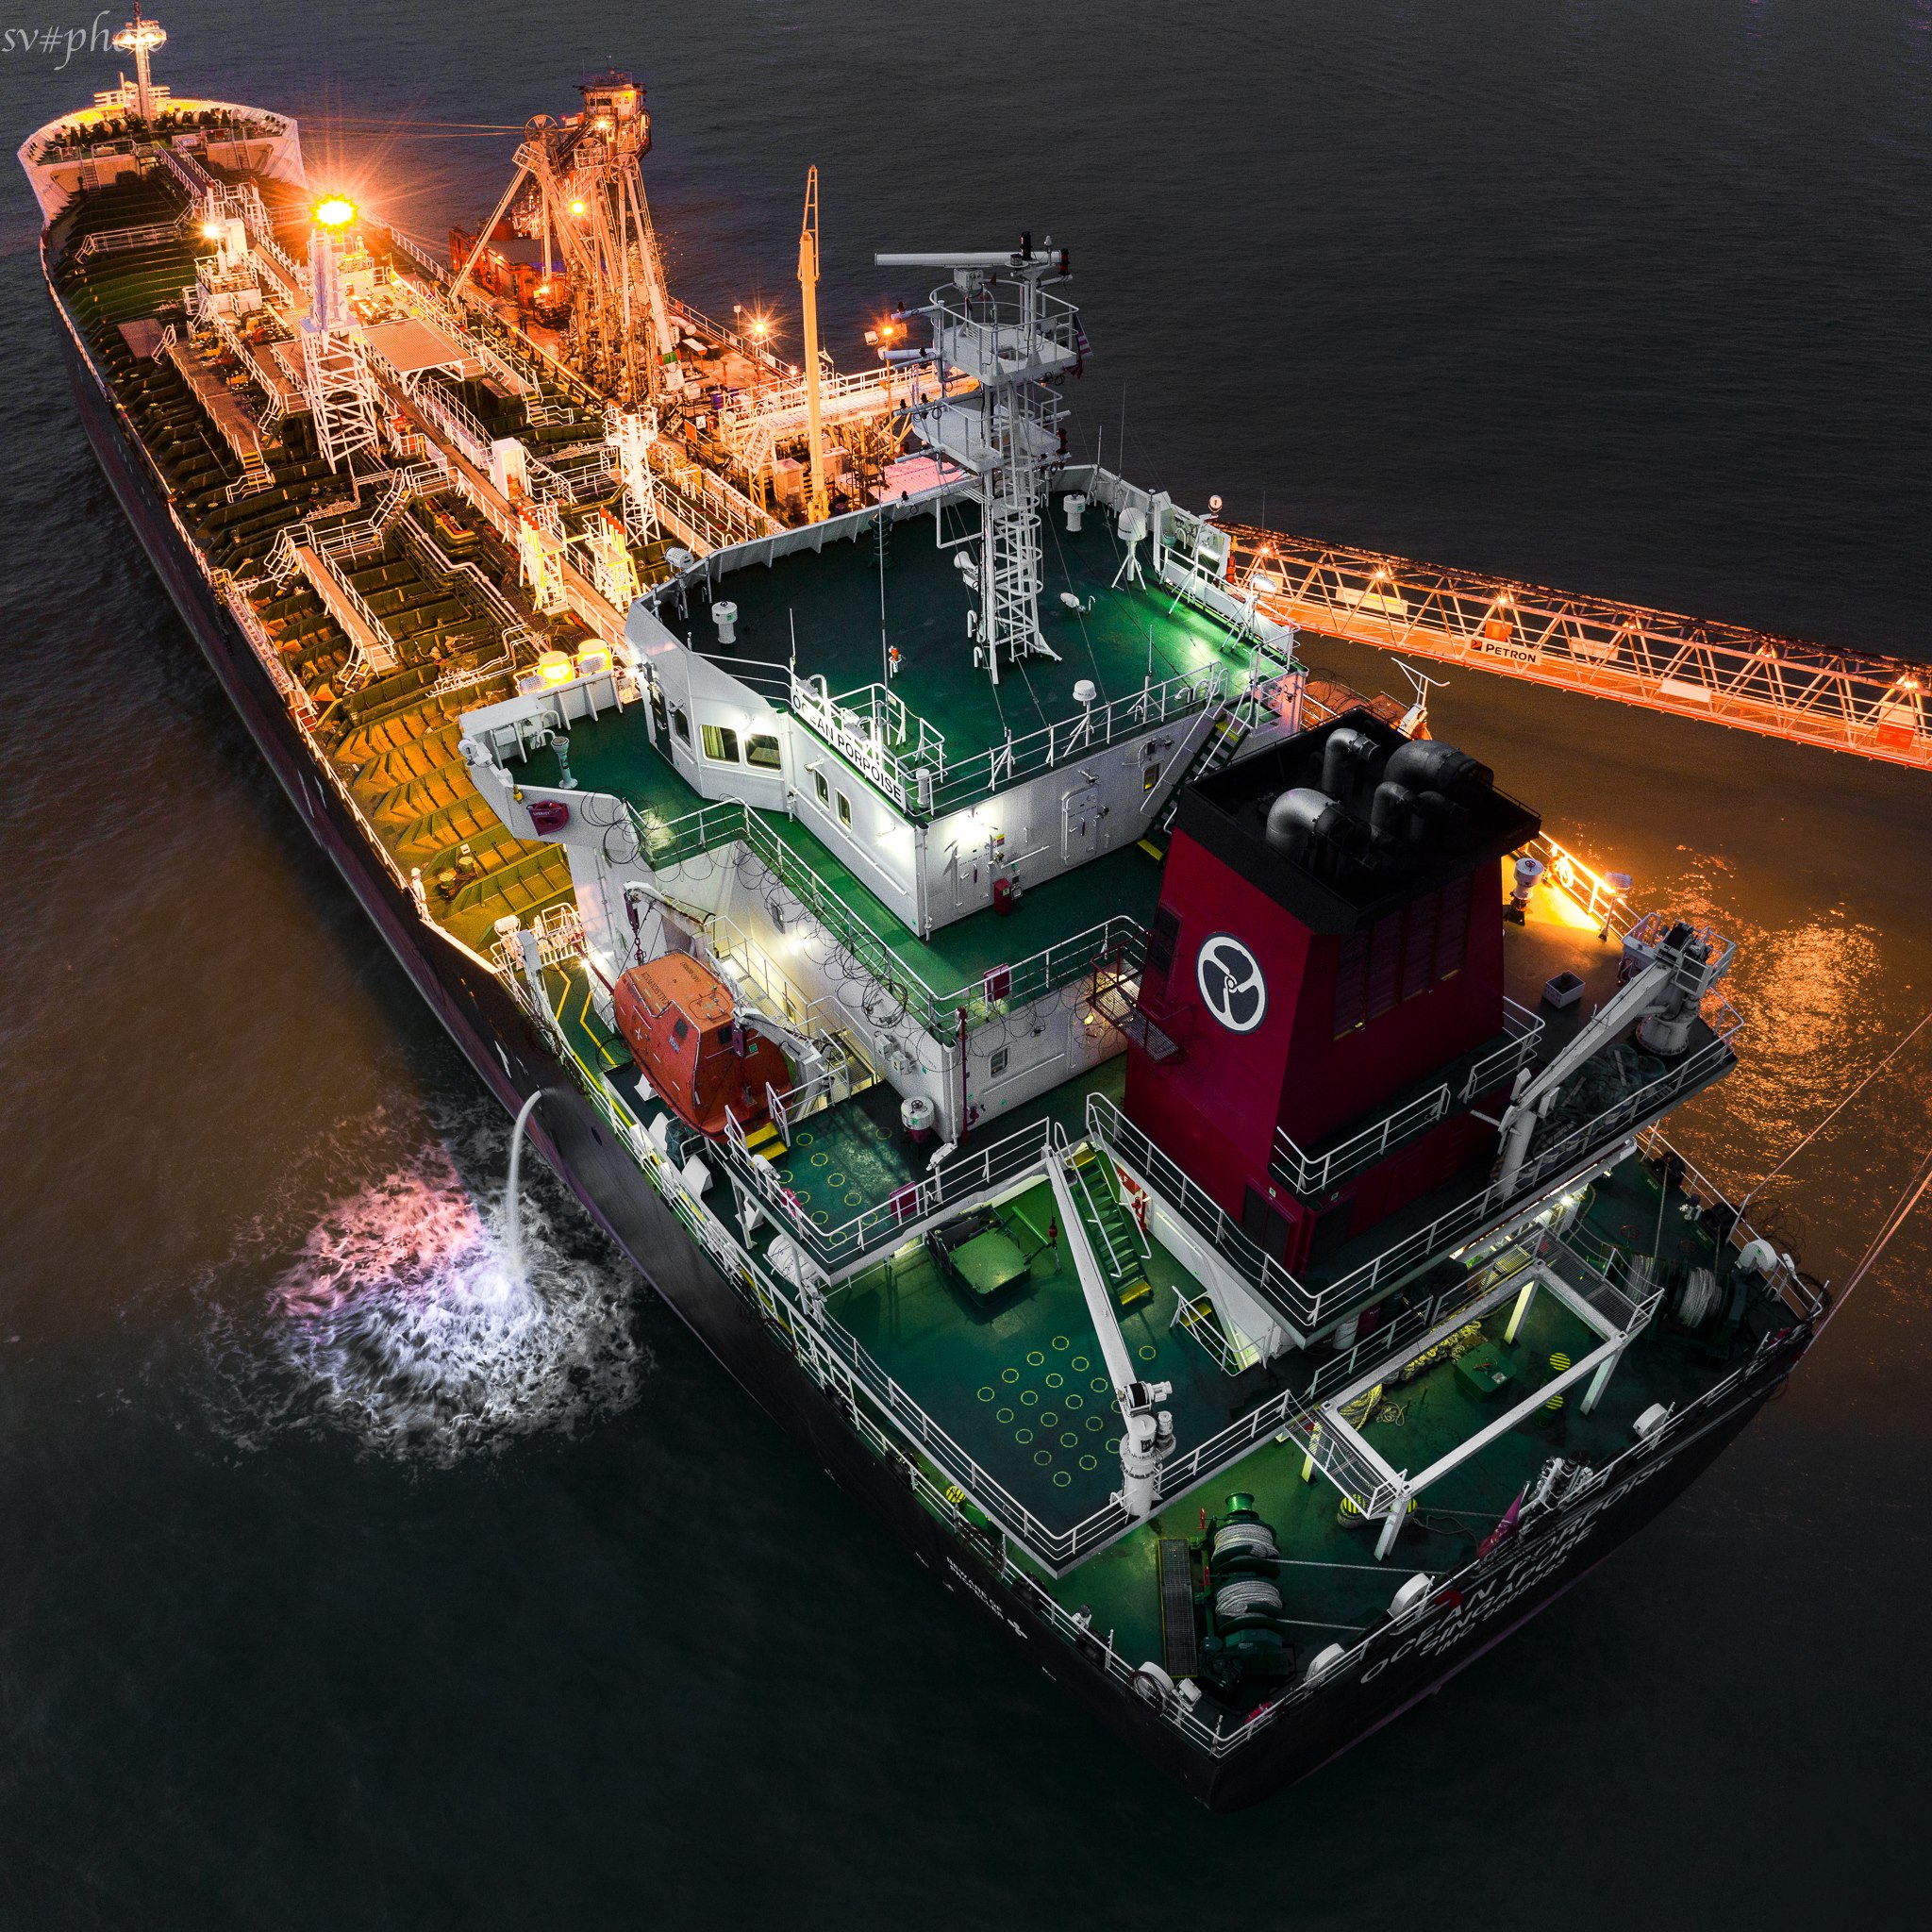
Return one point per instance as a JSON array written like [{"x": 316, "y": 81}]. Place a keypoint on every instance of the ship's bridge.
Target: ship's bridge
[{"x": 852, "y": 646}]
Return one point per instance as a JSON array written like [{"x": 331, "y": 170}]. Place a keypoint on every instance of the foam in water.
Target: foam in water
[{"x": 409, "y": 1324}]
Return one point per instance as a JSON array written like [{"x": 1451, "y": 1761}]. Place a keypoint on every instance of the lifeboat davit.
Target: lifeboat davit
[{"x": 678, "y": 1018}]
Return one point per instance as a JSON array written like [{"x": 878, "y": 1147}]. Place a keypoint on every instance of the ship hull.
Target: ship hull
[{"x": 513, "y": 1060}]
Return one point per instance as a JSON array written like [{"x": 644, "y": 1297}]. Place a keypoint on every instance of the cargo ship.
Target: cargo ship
[{"x": 1178, "y": 1142}]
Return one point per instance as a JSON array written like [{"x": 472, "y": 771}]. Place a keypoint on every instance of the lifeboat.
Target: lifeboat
[{"x": 679, "y": 1019}]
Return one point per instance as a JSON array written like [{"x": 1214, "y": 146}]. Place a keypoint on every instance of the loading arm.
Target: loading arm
[{"x": 1146, "y": 1430}]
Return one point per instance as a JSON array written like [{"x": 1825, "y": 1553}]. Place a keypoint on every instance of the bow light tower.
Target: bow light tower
[{"x": 141, "y": 38}]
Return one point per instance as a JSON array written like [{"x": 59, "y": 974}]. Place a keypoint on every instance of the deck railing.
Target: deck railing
[
  {"x": 1226, "y": 1740},
  {"x": 963, "y": 1176},
  {"x": 455, "y": 419},
  {"x": 143, "y": 235},
  {"x": 1309, "y": 1174},
  {"x": 1307, "y": 1308},
  {"x": 1006, "y": 987},
  {"x": 923, "y": 782}
]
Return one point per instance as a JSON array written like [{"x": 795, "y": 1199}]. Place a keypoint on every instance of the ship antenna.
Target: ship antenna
[{"x": 1415, "y": 720}]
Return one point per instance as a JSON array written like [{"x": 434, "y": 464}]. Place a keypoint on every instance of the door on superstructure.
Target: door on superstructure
[{"x": 1080, "y": 822}]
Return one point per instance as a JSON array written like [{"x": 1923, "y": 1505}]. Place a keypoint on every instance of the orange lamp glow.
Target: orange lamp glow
[{"x": 334, "y": 211}]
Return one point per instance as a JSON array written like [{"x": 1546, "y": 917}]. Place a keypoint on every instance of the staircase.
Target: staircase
[
  {"x": 255, "y": 475},
  {"x": 1223, "y": 739},
  {"x": 1231, "y": 1351},
  {"x": 1118, "y": 1245}
]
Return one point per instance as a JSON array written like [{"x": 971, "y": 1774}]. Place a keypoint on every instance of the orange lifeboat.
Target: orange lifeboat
[{"x": 678, "y": 1018}]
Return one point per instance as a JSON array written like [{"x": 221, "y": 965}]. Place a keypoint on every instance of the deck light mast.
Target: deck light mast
[{"x": 335, "y": 362}]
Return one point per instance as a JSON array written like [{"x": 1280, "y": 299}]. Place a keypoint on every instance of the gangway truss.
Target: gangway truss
[{"x": 1781, "y": 687}]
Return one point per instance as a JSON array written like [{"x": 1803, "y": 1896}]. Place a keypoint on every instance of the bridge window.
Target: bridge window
[
  {"x": 845, "y": 810},
  {"x": 721, "y": 744},
  {"x": 681, "y": 724},
  {"x": 761, "y": 752},
  {"x": 821, "y": 788}
]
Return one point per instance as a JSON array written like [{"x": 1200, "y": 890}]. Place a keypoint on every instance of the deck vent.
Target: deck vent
[{"x": 1562, "y": 989}]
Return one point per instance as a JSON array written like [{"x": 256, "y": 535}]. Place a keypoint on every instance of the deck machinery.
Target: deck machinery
[{"x": 1197, "y": 1172}]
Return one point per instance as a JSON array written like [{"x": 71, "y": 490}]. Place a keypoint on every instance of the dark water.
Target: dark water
[{"x": 340, "y": 1588}]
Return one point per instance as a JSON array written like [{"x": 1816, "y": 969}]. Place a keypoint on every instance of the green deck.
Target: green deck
[
  {"x": 1022, "y": 1384},
  {"x": 854, "y": 1156},
  {"x": 1333, "y": 1586},
  {"x": 832, "y": 598}
]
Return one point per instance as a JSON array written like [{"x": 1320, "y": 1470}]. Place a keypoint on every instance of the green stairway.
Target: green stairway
[{"x": 1116, "y": 1242}]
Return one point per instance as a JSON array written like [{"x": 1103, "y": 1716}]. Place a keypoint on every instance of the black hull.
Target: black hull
[{"x": 1402, "y": 1663}]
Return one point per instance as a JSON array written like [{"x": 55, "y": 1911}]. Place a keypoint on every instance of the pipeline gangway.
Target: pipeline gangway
[{"x": 1781, "y": 686}]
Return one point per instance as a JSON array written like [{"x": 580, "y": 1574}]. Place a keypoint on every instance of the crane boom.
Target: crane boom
[{"x": 819, "y": 507}]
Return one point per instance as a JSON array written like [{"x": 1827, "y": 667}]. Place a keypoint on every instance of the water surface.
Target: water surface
[{"x": 343, "y": 1584}]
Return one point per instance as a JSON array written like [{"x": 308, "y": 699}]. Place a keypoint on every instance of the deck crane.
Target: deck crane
[
  {"x": 579, "y": 182},
  {"x": 820, "y": 506}
]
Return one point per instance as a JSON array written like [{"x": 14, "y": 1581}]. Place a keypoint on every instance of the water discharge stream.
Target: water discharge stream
[{"x": 512, "y": 1206}]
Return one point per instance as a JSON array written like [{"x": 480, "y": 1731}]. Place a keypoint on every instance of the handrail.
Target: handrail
[
  {"x": 1107, "y": 1127},
  {"x": 1308, "y": 1308},
  {"x": 752, "y": 351},
  {"x": 142, "y": 234},
  {"x": 1527, "y": 1029},
  {"x": 1308, "y": 1174},
  {"x": 923, "y": 782},
  {"x": 294, "y": 695},
  {"x": 1784, "y": 687},
  {"x": 1025, "y": 980},
  {"x": 433, "y": 308},
  {"x": 1800, "y": 1299},
  {"x": 964, "y": 1176},
  {"x": 1117, "y": 1266},
  {"x": 455, "y": 419}
]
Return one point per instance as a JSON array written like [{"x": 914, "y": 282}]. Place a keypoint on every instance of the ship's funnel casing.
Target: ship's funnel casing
[{"x": 1337, "y": 952}]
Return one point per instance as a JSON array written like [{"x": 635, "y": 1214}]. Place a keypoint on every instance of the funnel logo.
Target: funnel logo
[{"x": 1230, "y": 980}]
